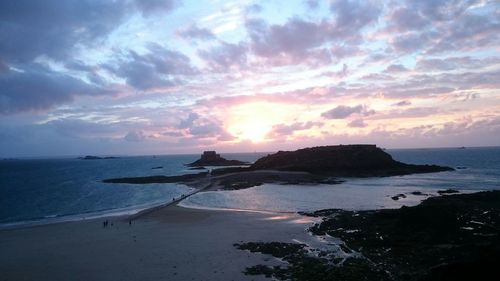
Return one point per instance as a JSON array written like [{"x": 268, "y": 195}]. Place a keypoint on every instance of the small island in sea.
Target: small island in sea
[
  {"x": 211, "y": 158},
  {"x": 304, "y": 166},
  {"x": 93, "y": 157}
]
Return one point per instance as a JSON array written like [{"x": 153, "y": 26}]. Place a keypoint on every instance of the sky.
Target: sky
[{"x": 135, "y": 77}]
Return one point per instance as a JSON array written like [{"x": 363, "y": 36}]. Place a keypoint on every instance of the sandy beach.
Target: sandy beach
[{"x": 171, "y": 243}]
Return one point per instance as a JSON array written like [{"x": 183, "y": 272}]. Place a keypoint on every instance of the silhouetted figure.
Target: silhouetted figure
[{"x": 129, "y": 222}]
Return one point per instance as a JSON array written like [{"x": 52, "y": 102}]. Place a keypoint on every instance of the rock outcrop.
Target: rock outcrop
[
  {"x": 342, "y": 160},
  {"x": 92, "y": 157},
  {"x": 211, "y": 158}
]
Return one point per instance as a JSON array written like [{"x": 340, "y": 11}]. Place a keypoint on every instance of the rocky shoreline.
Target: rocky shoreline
[{"x": 452, "y": 237}]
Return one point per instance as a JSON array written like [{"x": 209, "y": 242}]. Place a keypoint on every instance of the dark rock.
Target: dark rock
[
  {"x": 230, "y": 170},
  {"x": 447, "y": 191},
  {"x": 342, "y": 160},
  {"x": 453, "y": 237},
  {"x": 397, "y": 197},
  {"x": 159, "y": 167},
  {"x": 92, "y": 157},
  {"x": 211, "y": 158},
  {"x": 418, "y": 193},
  {"x": 303, "y": 266},
  {"x": 157, "y": 179}
]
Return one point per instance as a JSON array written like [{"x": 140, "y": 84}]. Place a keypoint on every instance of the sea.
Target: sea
[{"x": 41, "y": 191}]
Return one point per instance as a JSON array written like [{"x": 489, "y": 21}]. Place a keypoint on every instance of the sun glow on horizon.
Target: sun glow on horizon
[
  {"x": 254, "y": 131},
  {"x": 255, "y": 120}
]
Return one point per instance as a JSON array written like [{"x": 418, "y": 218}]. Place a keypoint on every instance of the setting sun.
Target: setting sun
[
  {"x": 254, "y": 131},
  {"x": 254, "y": 121}
]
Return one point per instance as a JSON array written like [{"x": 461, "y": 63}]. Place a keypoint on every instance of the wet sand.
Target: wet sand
[{"x": 171, "y": 243}]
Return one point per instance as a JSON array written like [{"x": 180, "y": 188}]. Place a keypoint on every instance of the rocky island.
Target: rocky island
[
  {"x": 360, "y": 160},
  {"x": 211, "y": 158},
  {"x": 316, "y": 165},
  {"x": 92, "y": 157}
]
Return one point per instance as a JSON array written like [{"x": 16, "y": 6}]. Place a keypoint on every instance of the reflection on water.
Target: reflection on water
[
  {"x": 354, "y": 194},
  {"x": 479, "y": 170}
]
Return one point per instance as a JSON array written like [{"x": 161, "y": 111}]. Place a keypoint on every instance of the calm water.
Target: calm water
[
  {"x": 480, "y": 170},
  {"x": 49, "y": 189}
]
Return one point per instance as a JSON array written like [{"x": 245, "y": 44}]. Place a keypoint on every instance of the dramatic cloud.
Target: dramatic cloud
[
  {"x": 287, "y": 130},
  {"x": 151, "y": 7},
  {"x": 299, "y": 41},
  {"x": 454, "y": 63},
  {"x": 195, "y": 125},
  {"x": 225, "y": 56},
  {"x": 342, "y": 111},
  {"x": 37, "y": 88},
  {"x": 155, "y": 69},
  {"x": 180, "y": 76},
  {"x": 194, "y": 32},
  {"x": 53, "y": 28},
  {"x": 351, "y": 16}
]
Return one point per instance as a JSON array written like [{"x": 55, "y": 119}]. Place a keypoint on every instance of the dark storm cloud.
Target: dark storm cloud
[
  {"x": 54, "y": 29},
  {"x": 32, "y": 28},
  {"x": 154, "y": 69},
  {"x": 37, "y": 88},
  {"x": 76, "y": 128}
]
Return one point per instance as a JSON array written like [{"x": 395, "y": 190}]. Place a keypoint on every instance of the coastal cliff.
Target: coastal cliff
[{"x": 357, "y": 160}]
